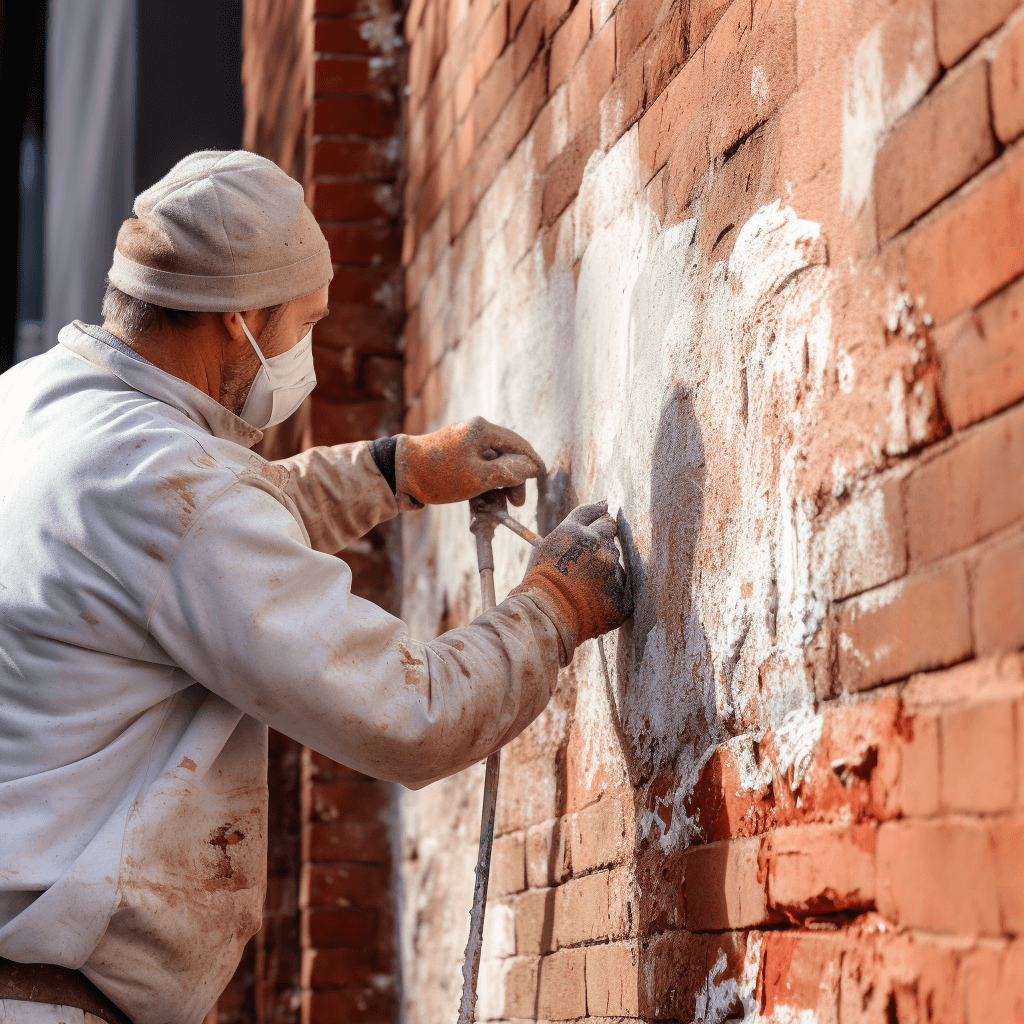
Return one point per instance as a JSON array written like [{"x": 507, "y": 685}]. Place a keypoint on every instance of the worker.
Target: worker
[{"x": 166, "y": 595}]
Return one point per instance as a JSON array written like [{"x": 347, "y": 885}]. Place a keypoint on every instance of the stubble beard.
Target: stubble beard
[{"x": 236, "y": 380}]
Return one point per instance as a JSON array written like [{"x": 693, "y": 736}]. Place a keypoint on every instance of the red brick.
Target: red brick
[
  {"x": 1008, "y": 86},
  {"x": 919, "y": 768},
  {"x": 382, "y": 377},
  {"x": 994, "y": 983},
  {"x": 911, "y": 625},
  {"x": 347, "y": 201},
  {"x": 535, "y": 922},
  {"x": 339, "y": 35},
  {"x": 359, "y": 326},
  {"x": 612, "y": 981},
  {"x": 528, "y": 41},
  {"x": 568, "y": 44},
  {"x": 716, "y": 96},
  {"x": 350, "y": 75},
  {"x": 593, "y": 75},
  {"x": 566, "y": 171},
  {"x": 521, "y": 987},
  {"x": 959, "y": 25},
  {"x": 1008, "y": 846},
  {"x": 801, "y": 972},
  {"x": 998, "y": 596},
  {"x": 508, "y": 864},
  {"x": 362, "y": 242},
  {"x": 363, "y": 158},
  {"x": 944, "y": 141},
  {"x": 971, "y": 248},
  {"x": 339, "y": 968},
  {"x": 325, "y": 770},
  {"x": 977, "y": 758},
  {"x": 342, "y": 423},
  {"x": 969, "y": 491},
  {"x": 346, "y": 840},
  {"x": 528, "y": 793},
  {"x": 592, "y": 907},
  {"x": 561, "y": 986},
  {"x": 704, "y": 15},
  {"x": 624, "y": 101},
  {"x": 340, "y": 926},
  {"x": 354, "y": 1006},
  {"x": 326, "y": 885},
  {"x": 725, "y": 886},
  {"x": 491, "y": 41},
  {"x": 982, "y": 355},
  {"x": 598, "y": 835},
  {"x": 665, "y": 50},
  {"x": 357, "y": 284},
  {"x": 516, "y": 10},
  {"x": 821, "y": 869},
  {"x": 331, "y": 801},
  {"x": 493, "y": 94},
  {"x": 635, "y": 20},
  {"x": 1019, "y": 731},
  {"x": 938, "y": 875},
  {"x": 548, "y": 853},
  {"x": 336, "y": 6}
]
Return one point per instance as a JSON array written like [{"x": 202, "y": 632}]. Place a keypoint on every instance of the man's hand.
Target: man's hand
[
  {"x": 463, "y": 460},
  {"x": 576, "y": 577}
]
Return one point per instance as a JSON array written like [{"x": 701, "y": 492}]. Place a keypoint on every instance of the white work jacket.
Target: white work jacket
[{"x": 165, "y": 594}]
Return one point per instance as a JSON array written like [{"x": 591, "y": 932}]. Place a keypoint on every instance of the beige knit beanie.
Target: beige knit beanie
[{"x": 221, "y": 232}]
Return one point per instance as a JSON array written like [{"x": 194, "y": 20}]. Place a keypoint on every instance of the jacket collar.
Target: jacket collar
[{"x": 97, "y": 346}]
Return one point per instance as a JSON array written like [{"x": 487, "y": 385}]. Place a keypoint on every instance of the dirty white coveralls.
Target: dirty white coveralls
[{"x": 164, "y": 596}]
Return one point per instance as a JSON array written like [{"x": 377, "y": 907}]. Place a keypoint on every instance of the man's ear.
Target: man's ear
[{"x": 233, "y": 325}]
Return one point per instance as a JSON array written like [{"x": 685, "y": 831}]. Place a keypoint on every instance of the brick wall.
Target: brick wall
[
  {"x": 322, "y": 92},
  {"x": 754, "y": 272}
]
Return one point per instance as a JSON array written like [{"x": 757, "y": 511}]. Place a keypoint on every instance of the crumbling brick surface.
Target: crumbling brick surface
[{"x": 754, "y": 273}]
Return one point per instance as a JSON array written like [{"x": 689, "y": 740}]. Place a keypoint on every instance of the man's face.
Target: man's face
[{"x": 275, "y": 332}]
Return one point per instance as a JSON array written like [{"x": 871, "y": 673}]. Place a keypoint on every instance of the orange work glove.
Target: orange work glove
[
  {"x": 463, "y": 460},
  {"x": 575, "y": 577}
]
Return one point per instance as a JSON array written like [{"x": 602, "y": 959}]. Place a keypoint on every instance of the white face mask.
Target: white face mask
[{"x": 281, "y": 385}]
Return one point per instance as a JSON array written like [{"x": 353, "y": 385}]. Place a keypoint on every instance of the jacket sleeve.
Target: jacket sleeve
[
  {"x": 339, "y": 492},
  {"x": 256, "y": 616}
]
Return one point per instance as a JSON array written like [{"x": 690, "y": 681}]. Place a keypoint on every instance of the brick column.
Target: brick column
[{"x": 323, "y": 100}]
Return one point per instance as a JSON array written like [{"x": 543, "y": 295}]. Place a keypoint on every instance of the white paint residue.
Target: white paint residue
[
  {"x": 759, "y": 85},
  {"x": 720, "y": 998},
  {"x": 795, "y": 740},
  {"x": 871, "y": 103}
]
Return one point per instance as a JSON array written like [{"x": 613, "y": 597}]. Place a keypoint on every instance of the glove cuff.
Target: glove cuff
[{"x": 548, "y": 588}]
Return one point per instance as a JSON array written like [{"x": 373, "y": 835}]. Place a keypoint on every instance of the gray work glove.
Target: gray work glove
[{"x": 576, "y": 577}]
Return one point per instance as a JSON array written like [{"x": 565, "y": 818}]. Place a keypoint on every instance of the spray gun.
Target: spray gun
[{"x": 487, "y": 512}]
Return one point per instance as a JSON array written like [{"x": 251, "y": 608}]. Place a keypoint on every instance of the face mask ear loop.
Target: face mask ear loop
[{"x": 252, "y": 341}]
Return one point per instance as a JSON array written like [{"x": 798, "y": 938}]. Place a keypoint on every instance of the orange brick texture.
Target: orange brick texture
[
  {"x": 878, "y": 876},
  {"x": 323, "y": 91}
]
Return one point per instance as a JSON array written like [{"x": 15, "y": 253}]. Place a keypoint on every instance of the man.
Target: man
[{"x": 166, "y": 594}]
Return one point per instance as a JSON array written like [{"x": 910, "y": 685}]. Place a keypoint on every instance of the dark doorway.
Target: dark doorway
[{"x": 190, "y": 82}]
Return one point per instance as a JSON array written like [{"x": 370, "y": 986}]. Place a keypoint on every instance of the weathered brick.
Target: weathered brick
[
  {"x": 969, "y": 491},
  {"x": 801, "y": 975},
  {"x": 977, "y": 758},
  {"x": 1008, "y": 847},
  {"x": 508, "y": 864},
  {"x": 994, "y": 982},
  {"x": 339, "y": 35},
  {"x": 535, "y": 922},
  {"x": 969, "y": 249},
  {"x": 725, "y": 886},
  {"x": 528, "y": 40},
  {"x": 598, "y": 834},
  {"x": 548, "y": 853},
  {"x": 998, "y": 596},
  {"x": 492, "y": 40},
  {"x": 492, "y": 95},
  {"x": 325, "y": 885},
  {"x": 351, "y": 201},
  {"x": 612, "y": 976},
  {"x": 528, "y": 794},
  {"x": 340, "y": 926},
  {"x": 1008, "y": 86},
  {"x": 982, "y": 353},
  {"x": 666, "y": 47},
  {"x": 958, "y": 25},
  {"x": 910, "y": 625},
  {"x": 593, "y": 75},
  {"x": 566, "y": 172},
  {"x": 591, "y": 908},
  {"x": 339, "y": 968},
  {"x": 635, "y": 20},
  {"x": 944, "y": 141},
  {"x": 568, "y": 44},
  {"x": 521, "y": 987},
  {"x": 345, "y": 840},
  {"x": 561, "y": 986},
  {"x": 362, "y": 242},
  {"x": 815, "y": 869},
  {"x": 919, "y": 768},
  {"x": 349, "y": 75},
  {"x": 938, "y": 875},
  {"x": 364, "y": 1005},
  {"x": 356, "y": 799}
]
